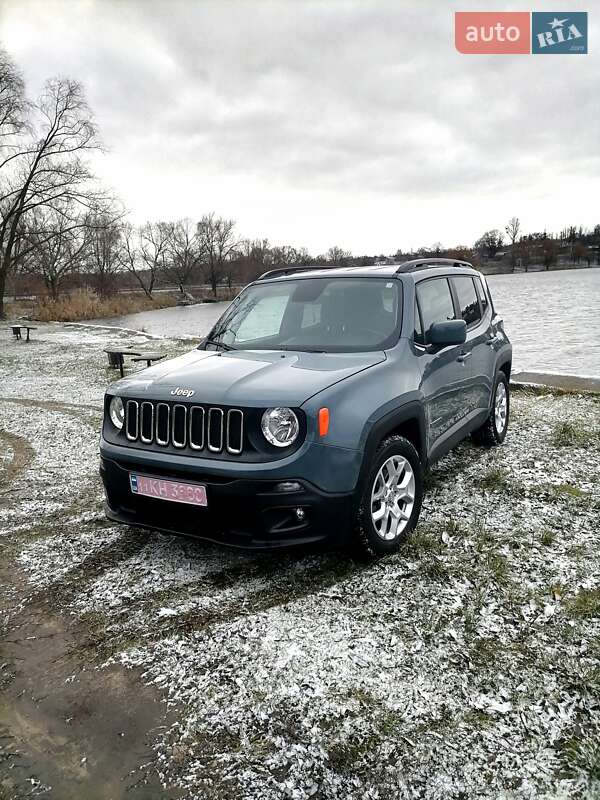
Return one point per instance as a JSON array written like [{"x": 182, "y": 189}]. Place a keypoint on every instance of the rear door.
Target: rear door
[
  {"x": 445, "y": 373},
  {"x": 477, "y": 315}
]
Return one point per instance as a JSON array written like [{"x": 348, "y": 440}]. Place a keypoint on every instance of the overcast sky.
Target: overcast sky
[{"x": 322, "y": 123}]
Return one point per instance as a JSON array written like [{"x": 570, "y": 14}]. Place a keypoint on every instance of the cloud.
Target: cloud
[{"x": 258, "y": 108}]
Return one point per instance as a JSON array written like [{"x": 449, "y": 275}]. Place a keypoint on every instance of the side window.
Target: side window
[
  {"x": 468, "y": 302},
  {"x": 482, "y": 295},
  {"x": 435, "y": 302}
]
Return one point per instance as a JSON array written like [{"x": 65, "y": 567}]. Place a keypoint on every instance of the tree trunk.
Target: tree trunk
[
  {"x": 53, "y": 288},
  {"x": 2, "y": 287}
]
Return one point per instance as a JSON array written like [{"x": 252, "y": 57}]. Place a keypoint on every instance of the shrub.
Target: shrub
[{"x": 85, "y": 304}]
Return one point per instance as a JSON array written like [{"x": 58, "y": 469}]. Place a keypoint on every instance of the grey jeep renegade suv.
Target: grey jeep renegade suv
[{"x": 312, "y": 409}]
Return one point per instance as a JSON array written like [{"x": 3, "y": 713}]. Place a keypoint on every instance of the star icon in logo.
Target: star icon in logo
[{"x": 557, "y": 23}]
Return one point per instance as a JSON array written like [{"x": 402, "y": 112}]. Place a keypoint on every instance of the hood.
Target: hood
[{"x": 246, "y": 378}]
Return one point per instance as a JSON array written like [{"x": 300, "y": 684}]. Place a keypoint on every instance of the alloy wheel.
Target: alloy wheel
[
  {"x": 501, "y": 407},
  {"x": 392, "y": 497}
]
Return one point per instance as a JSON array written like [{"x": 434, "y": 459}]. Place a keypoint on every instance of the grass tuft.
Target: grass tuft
[
  {"x": 570, "y": 434},
  {"x": 581, "y": 754},
  {"x": 585, "y": 604},
  {"x": 547, "y": 538},
  {"x": 494, "y": 480},
  {"x": 424, "y": 541}
]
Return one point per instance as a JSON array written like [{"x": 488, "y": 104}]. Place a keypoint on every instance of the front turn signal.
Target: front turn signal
[{"x": 323, "y": 421}]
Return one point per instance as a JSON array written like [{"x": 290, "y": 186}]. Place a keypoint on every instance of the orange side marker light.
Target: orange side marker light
[{"x": 323, "y": 421}]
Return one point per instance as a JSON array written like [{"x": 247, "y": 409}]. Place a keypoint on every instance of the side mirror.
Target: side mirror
[{"x": 443, "y": 334}]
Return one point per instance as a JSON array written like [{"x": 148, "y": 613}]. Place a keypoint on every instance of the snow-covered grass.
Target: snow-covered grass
[{"x": 466, "y": 666}]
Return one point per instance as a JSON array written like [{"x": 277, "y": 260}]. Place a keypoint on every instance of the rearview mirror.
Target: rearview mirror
[{"x": 442, "y": 334}]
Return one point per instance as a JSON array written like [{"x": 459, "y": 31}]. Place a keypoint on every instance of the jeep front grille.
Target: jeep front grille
[{"x": 182, "y": 426}]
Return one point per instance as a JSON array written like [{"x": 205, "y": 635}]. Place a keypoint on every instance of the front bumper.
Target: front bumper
[{"x": 241, "y": 512}]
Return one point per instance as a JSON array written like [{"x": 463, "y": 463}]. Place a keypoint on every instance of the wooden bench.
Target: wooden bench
[
  {"x": 116, "y": 357},
  {"x": 16, "y": 330},
  {"x": 149, "y": 358}
]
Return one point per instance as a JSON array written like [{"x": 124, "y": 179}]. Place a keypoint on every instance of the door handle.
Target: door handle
[{"x": 463, "y": 357}]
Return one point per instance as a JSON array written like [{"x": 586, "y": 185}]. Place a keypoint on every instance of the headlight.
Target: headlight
[
  {"x": 280, "y": 426},
  {"x": 116, "y": 412}
]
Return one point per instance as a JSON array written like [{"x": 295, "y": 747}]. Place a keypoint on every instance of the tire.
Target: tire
[
  {"x": 397, "y": 460},
  {"x": 493, "y": 431}
]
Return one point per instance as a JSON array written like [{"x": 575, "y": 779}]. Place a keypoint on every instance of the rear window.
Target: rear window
[
  {"x": 482, "y": 294},
  {"x": 468, "y": 301}
]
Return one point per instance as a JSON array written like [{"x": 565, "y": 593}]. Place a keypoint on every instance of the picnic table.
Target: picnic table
[
  {"x": 16, "y": 330},
  {"x": 149, "y": 358},
  {"x": 116, "y": 356}
]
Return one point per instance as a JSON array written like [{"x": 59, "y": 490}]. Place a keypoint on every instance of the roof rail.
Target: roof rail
[
  {"x": 277, "y": 273},
  {"x": 416, "y": 263}
]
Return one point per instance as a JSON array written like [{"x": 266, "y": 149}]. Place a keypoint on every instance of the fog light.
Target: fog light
[
  {"x": 300, "y": 514},
  {"x": 288, "y": 486}
]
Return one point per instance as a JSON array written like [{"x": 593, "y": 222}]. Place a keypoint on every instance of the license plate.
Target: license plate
[{"x": 193, "y": 494}]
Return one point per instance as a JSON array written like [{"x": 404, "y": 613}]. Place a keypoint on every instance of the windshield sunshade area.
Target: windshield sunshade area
[{"x": 336, "y": 315}]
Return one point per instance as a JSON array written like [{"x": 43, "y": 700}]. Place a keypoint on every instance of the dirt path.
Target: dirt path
[
  {"x": 22, "y": 455},
  {"x": 67, "y": 730}
]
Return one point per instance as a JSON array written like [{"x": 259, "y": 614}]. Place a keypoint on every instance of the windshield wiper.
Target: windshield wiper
[
  {"x": 299, "y": 349},
  {"x": 306, "y": 350},
  {"x": 218, "y": 343}
]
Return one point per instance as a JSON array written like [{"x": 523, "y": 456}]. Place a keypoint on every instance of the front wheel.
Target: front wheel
[
  {"x": 392, "y": 497},
  {"x": 493, "y": 430}
]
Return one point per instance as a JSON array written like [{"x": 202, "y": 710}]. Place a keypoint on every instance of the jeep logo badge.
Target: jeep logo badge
[{"x": 178, "y": 392}]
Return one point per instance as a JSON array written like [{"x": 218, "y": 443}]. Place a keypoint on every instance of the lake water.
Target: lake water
[{"x": 552, "y": 319}]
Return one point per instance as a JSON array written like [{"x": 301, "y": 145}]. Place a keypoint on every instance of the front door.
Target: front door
[{"x": 446, "y": 383}]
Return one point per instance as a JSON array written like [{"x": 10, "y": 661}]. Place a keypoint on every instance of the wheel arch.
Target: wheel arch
[
  {"x": 505, "y": 366},
  {"x": 407, "y": 421}
]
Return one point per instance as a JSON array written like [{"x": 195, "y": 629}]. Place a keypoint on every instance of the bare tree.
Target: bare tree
[
  {"x": 513, "y": 229},
  {"x": 595, "y": 243},
  {"x": 103, "y": 256},
  {"x": 524, "y": 251},
  {"x": 13, "y": 105},
  {"x": 144, "y": 252},
  {"x": 463, "y": 253},
  {"x": 184, "y": 252},
  {"x": 580, "y": 250},
  {"x": 304, "y": 257},
  {"x": 335, "y": 255},
  {"x": 549, "y": 252},
  {"x": 55, "y": 245},
  {"x": 284, "y": 256},
  {"x": 489, "y": 244},
  {"x": 154, "y": 249},
  {"x": 218, "y": 245},
  {"x": 41, "y": 163},
  {"x": 253, "y": 258}
]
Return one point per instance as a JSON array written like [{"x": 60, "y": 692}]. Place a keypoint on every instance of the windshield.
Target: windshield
[{"x": 333, "y": 315}]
